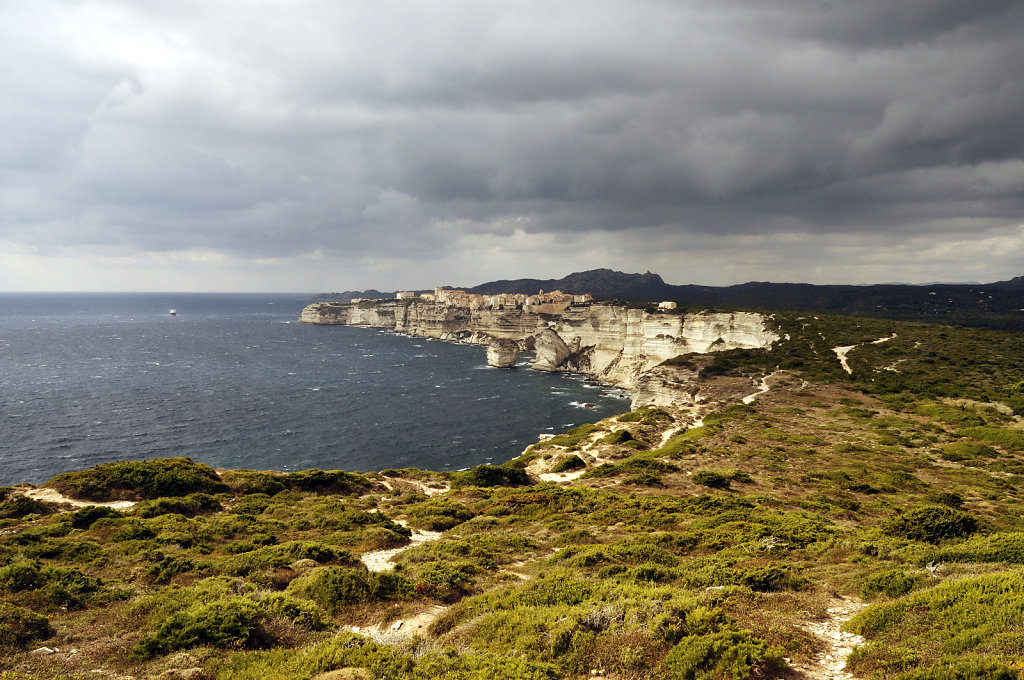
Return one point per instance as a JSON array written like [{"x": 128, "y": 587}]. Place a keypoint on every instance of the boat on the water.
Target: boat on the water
[{"x": 173, "y": 312}]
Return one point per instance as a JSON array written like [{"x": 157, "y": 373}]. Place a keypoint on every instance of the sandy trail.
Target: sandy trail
[
  {"x": 403, "y": 629},
  {"x": 380, "y": 560},
  {"x": 842, "y": 351},
  {"x": 54, "y": 496},
  {"x": 762, "y": 387},
  {"x": 829, "y": 664},
  {"x": 440, "y": 488}
]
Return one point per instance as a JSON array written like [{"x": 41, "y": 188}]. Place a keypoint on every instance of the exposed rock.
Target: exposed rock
[
  {"x": 612, "y": 343},
  {"x": 551, "y": 351},
  {"x": 502, "y": 353}
]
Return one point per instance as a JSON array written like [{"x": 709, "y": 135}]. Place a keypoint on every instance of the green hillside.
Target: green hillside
[{"x": 891, "y": 495}]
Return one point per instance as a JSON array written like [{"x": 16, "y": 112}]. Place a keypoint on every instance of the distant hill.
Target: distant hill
[{"x": 991, "y": 305}]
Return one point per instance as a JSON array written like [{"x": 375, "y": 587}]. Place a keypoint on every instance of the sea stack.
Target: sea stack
[{"x": 502, "y": 353}]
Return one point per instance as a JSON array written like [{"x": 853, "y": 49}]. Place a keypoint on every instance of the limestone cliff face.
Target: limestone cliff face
[{"x": 616, "y": 344}]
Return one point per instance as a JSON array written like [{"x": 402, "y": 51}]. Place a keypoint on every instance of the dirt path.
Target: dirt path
[
  {"x": 842, "y": 351},
  {"x": 440, "y": 488},
  {"x": 54, "y": 496},
  {"x": 829, "y": 664},
  {"x": 380, "y": 560},
  {"x": 762, "y": 387},
  {"x": 402, "y": 629}
]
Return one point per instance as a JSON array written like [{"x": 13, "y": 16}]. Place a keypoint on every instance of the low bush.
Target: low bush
[
  {"x": 958, "y": 618},
  {"x": 439, "y": 514},
  {"x": 19, "y": 626},
  {"x": 617, "y": 437},
  {"x": 711, "y": 478},
  {"x": 226, "y": 622},
  {"x": 725, "y": 654},
  {"x": 56, "y": 586},
  {"x": 138, "y": 480},
  {"x": 171, "y": 565},
  {"x": 491, "y": 475},
  {"x": 84, "y": 518},
  {"x": 326, "y": 482},
  {"x": 571, "y": 439},
  {"x": 336, "y": 587},
  {"x": 17, "y": 506},
  {"x": 891, "y": 582},
  {"x": 1012, "y": 440},
  {"x": 970, "y": 668},
  {"x": 568, "y": 464},
  {"x": 967, "y": 451},
  {"x": 1005, "y": 547},
  {"x": 931, "y": 524},
  {"x": 648, "y": 416},
  {"x": 189, "y": 506}
]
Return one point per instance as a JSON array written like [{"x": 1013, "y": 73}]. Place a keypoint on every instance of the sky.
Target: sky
[{"x": 308, "y": 145}]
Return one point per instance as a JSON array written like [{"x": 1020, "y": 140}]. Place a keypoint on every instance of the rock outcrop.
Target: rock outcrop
[
  {"x": 502, "y": 353},
  {"x": 551, "y": 351},
  {"x": 612, "y": 343}
]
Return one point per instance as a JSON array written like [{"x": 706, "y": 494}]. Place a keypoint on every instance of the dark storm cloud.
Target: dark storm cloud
[{"x": 385, "y": 131}]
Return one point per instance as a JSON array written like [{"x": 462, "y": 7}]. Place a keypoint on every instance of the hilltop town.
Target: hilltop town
[{"x": 554, "y": 302}]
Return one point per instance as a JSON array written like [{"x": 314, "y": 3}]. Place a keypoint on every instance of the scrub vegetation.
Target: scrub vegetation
[{"x": 679, "y": 553}]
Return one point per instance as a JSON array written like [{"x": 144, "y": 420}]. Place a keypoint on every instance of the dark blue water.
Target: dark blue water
[{"x": 235, "y": 381}]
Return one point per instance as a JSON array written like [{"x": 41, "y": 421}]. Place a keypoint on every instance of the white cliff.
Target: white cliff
[{"x": 618, "y": 344}]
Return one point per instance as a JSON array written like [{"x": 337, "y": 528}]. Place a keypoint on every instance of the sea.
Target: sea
[{"x": 233, "y": 380}]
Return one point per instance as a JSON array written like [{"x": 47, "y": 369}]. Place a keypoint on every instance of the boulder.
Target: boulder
[{"x": 502, "y": 353}]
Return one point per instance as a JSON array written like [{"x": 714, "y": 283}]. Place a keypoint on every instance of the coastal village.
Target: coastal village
[{"x": 554, "y": 302}]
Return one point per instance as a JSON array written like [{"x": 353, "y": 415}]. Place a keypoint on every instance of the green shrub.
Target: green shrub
[
  {"x": 130, "y": 529},
  {"x": 1012, "y": 440},
  {"x": 20, "y": 576},
  {"x": 84, "y": 518},
  {"x": 170, "y": 566},
  {"x": 326, "y": 482},
  {"x": 189, "y": 506},
  {"x": 970, "y": 668},
  {"x": 947, "y": 498},
  {"x": 65, "y": 550},
  {"x": 931, "y": 524},
  {"x": 319, "y": 552},
  {"x": 617, "y": 437},
  {"x": 726, "y": 654},
  {"x": 491, "y": 475},
  {"x": 17, "y": 506},
  {"x": 967, "y": 451},
  {"x": 891, "y": 582},
  {"x": 439, "y": 514},
  {"x": 20, "y": 626},
  {"x": 239, "y": 547},
  {"x": 247, "y": 482},
  {"x": 979, "y": 615},
  {"x": 227, "y": 622},
  {"x": 573, "y": 438},
  {"x": 336, "y": 587},
  {"x": 1001, "y": 547},
  {"x": 711, "y": 478},
  {"x": 297, "y": 612},
  {"x": 568, "y": 464},
  {"x": 137, "y": 480}
]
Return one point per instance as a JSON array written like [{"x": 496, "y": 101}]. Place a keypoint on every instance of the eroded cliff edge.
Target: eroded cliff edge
[{"x": 617, "y": 344}]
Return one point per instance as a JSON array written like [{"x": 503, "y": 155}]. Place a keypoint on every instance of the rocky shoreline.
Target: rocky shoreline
[{"x": 615, "y": 344}]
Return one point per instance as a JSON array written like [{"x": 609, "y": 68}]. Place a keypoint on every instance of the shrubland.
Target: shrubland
[{"x": 689, "y": 553}]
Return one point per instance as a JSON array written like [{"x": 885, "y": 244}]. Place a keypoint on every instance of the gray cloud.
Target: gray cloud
[{"x": 381, "y": 142}]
